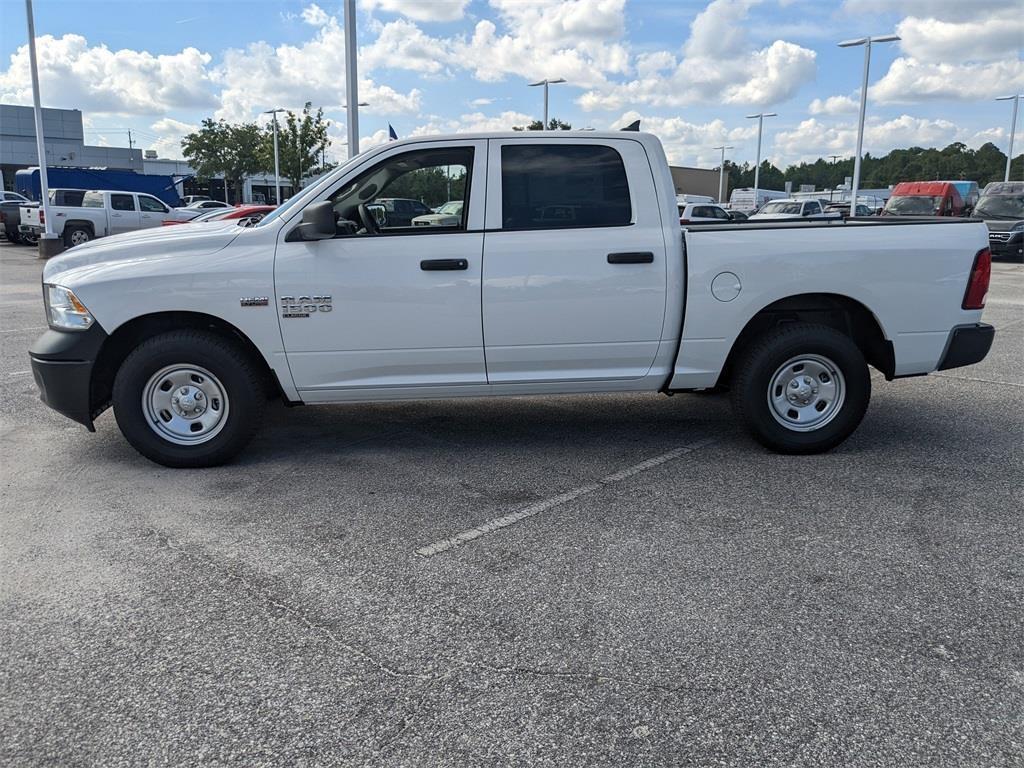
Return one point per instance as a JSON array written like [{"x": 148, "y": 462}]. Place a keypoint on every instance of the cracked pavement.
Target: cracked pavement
[{"x": 724, "y": 607}]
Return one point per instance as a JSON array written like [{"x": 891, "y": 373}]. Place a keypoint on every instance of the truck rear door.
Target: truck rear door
[
  {"x": 574, "y": 273},
  {"x": 123, "y": 213}
]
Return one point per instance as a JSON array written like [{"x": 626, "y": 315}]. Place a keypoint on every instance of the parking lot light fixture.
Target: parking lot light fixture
[
  {"x": 351, "y": 79},
  {"x": 866, "y": 42},
  {"x": 277, "y": 162},
  {"x": 1013, "y": 130},
  {"x": 757, "y": 167},
  {"x": 546, "y": 83},
  {"x": 721, "y": 172}
]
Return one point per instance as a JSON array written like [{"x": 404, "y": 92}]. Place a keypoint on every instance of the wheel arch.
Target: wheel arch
[
  {"x": 129, "y": 335},
  {"x": 85, "y": 223},
  {"x": 838, "y": 311}
]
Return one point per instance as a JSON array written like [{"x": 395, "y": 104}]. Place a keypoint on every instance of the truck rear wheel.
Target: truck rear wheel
[
  {"x": 188, "y": 399},
  {"x": 801, "y": 388},
  {"x": 76, "y": 234}
]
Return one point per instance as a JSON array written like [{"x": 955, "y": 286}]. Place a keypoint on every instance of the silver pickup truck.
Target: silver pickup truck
[{"x": 100, "y": 213}]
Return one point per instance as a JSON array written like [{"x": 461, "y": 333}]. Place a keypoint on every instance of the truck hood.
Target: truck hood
[
  {"x": 90, "y": 260},
  {"x": 1001, "y": 225}
]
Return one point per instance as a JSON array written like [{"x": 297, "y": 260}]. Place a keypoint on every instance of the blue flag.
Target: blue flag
[{"x": 392, "y": 136}]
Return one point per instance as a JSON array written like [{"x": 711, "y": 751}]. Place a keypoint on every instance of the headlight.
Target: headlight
[
  {"x": 64, "y": 311},
  {"x": 1018, "y": 227}
]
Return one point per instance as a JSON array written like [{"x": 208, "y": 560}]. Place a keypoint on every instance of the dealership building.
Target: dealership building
[{"x": 64, "y": 145}]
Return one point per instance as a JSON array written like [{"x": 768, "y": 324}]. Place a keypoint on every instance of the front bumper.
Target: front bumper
[
  {"x": 62, "y": 363},
  {"x": 967, "y": 345}
]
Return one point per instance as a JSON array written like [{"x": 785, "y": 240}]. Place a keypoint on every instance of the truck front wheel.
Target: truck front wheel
[
  {"x": 188, "y": 399},
  {"x": 801, "y": 388}
]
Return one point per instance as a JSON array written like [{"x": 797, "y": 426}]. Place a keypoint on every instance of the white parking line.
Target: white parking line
[
  {"x": 972, "y": 378},
  {"x": 497, "y": 523},
  {"x": 20, "y": 330},
  {"x": 18, "y": 373}
]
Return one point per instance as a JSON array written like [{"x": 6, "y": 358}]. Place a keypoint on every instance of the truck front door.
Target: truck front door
[
  {"x": 385, "y": 304},
  {"x": 151, "y": 211},
  {"x": 574, "y": 261}
]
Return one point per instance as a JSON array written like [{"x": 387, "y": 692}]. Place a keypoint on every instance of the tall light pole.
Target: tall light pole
[
  {"x": 866, "y": 42},
  {"x": 1013, "y": 130},
  {"x": 277, "y": 161},
  {"x": 757, "y": 168},
  {"x": 721, "y": 172},
  {"x": 546, "y": 83},
  {"x": 48, "y": 243},
  {"x": 351, "y": 80}
]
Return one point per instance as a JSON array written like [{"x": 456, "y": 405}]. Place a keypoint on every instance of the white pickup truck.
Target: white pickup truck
[
  {"x": 101, "y": 213},
  {"x": 567, "y": 272}
]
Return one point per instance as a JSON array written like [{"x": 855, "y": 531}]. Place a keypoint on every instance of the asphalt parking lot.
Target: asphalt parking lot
[{"x": 666, "y": 593}]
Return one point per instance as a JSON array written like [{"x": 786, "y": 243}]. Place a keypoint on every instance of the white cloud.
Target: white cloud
[
  {"x": 998, "y": 36},
  {"x": 481, "y": 102},
  {"x": 689, "y": 143},
  {"x": 812, "y": 138},
  {"x": 314, "y": 15},
  {"x": 954, "y": 10},
  {"x": 420, "y": 10},
  {"x": 74, "y": 74},
  {"x": 909, "y": 81},
  {"x": 401, "y": 44},
  {"x": 833, "y": 105},
  {"x": 263, "y": 76},
  {"x": 171, "y": 132},
  {"x": 718, "y": 65}
]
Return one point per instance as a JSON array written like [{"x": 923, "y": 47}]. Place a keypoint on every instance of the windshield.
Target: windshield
[
  {"x": 452, "y": 208},
  {"x": 920, "y": 205},
  {"x": 790, "y": 208},
  {"x": 1000, "y": 207}
]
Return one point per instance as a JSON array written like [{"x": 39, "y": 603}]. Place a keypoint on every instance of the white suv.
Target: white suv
[{"x": 703, "y": 212}]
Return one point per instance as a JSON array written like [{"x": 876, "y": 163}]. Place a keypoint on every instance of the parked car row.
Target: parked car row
[{"x": 83, "y": 215}]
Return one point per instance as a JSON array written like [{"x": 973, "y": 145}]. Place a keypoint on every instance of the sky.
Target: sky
[{"x": 690, "y": 71}]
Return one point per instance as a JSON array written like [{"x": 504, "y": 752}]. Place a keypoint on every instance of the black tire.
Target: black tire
[
  {"x": 243, "y": 392},
  {"x": 763, "y": 357},
  {"x": 70, "y": 232}
]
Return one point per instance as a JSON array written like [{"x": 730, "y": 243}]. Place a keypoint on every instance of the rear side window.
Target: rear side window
[
  {"x": 556, "y": 186},
  {"x": 122, "y": 202}
]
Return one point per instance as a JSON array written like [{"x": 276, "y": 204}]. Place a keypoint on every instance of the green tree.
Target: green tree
[
  {"x": 221, "y": 147},
  {"x": 302, "y": 141},
  {"x": 554, "y": 124}
]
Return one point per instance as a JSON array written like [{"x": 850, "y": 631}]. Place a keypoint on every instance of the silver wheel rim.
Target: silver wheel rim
[
  {"x": 185, "y": 404},
  {"x": 806, "y": 392},
  {"x": 78, "y": 237}
]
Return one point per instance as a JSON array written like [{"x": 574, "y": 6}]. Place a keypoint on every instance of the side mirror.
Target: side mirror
[{"x": 317, "y": 222}]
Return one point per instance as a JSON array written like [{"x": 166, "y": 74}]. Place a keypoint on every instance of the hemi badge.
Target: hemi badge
[{"x": 254, "y": 301}]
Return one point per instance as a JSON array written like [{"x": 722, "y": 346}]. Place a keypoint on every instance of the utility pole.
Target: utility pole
[
  {"x": 866, "y": 42},
  {"x": 129, "y": 140},
  {"x": 721, "y": 173},
  {"x": 351, "y": 80},
  {"x": 546, "y": 83},
  {"x": 49, "y": 245},
  {"x": 1013, "y": 130}
]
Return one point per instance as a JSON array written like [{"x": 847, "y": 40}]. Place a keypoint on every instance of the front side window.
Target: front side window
[
  {"x": 122, "y": 202},
  {"x": 399, "y": 194},
  {"x": 151, "y": 204},
  {"x": 812, "y": 209},
  {"x": 558, "y": 186}
]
